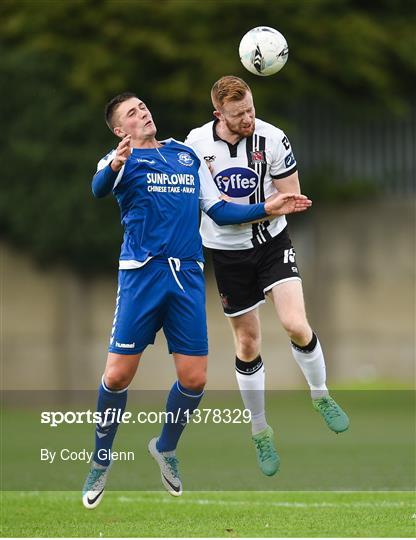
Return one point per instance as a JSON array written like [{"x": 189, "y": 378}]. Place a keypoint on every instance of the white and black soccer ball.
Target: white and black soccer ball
[{"x": 263, "y": 51}]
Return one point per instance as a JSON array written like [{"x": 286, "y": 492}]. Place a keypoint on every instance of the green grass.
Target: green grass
[
  {"x": 375, "y": 454},
  {"x": 357, "y": 484},
  {"x": 211, "y": 514}
]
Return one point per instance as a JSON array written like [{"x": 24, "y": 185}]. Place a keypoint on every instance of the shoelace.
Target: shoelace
[
  {"x": 328, "y": 408},
  {"x": 264, "y": 445},
  {"x": 172, "y": 463}
]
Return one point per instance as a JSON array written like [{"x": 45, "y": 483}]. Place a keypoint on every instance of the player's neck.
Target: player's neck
[
  {"x": 146, "y": 143},
  {"x": 225, "y": 134}
]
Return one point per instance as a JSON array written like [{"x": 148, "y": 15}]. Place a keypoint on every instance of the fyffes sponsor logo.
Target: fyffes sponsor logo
[{"x": 237, "y": 182}]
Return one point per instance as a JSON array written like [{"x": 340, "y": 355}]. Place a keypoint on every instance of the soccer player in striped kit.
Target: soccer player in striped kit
[
  {"x": 160, "y": 187},
  {"x": 251, "y": 160}
]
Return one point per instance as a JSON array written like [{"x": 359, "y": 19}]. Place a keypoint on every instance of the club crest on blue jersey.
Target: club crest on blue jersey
[
  {"x": 185, "y": 159},
  {"x": 237, "y": 182}
]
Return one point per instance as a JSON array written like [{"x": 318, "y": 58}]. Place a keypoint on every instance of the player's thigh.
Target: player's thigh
[
  {"x": 276, "y": 263},
  {"x": 289, "y": 302},
  {"x": 138, "y": 313},
  {"x": 184, "y": 322},
  {"x": 191, "y": 370},
  {"x": 120, "y": 369},
  {"x": 237, "y": 281}
]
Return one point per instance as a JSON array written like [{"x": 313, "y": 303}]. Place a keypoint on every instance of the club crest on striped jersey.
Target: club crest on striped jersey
[
  {"x": 185, "y": 159},
  {"x": 237, "y": 182},
  {"x": 257, "y": 156}
]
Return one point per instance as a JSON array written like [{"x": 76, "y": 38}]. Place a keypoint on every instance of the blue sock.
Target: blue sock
[
  {"x": 106, "y": 431},
  {"x": 179, "y": 401}
]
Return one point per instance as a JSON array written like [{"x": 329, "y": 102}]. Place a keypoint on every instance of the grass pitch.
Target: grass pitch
[
  {"x": 209, "y": 514},
  {"x": 362, "y": 480}
]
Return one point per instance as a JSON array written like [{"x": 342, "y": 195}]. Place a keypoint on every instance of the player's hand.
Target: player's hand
[
  {"x": 286, "y": 203},
  {"x": 123, "y": 152}
]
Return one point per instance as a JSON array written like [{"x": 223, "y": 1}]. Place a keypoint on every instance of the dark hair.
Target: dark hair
[{"x": 112, "y": 105}]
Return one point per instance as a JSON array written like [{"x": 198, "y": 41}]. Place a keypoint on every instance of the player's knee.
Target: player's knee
[
  {"x": 298, "y": 330},
  {"x": 194, "y": 381},
  {"x": 116, "y": 379},
  {"x": 248, "y": 347}
]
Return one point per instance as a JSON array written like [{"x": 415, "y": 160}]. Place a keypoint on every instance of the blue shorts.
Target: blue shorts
[{"x": 159, "y": 295}]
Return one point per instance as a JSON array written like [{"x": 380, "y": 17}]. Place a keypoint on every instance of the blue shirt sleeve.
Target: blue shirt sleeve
[
  {"x": 227, "y": 213},
  {"x": 103, "y": 181}
]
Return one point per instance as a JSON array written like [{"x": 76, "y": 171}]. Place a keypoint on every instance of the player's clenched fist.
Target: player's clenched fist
[{"x": 122, "y": 153}]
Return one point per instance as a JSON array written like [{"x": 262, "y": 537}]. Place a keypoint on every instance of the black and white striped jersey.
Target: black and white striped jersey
[{"x": 245, "y": 172}]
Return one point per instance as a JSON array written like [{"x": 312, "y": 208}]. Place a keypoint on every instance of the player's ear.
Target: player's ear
[
  {"x": 217, "y": 114},
  {"x": 118, "y": 132}
]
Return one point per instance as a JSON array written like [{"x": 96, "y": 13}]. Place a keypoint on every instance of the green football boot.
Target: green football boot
[
  {"x": 331, "y": 412},
  {"x": 267, "y": 456}
]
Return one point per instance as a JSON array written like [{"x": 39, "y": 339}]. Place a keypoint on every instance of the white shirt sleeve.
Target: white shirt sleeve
[
  {"x": 190, "y": 137},
  {"x": 105, "y": 161},
  {"x": 284, "y": 162},
  {"x": 209, "y": 194}
]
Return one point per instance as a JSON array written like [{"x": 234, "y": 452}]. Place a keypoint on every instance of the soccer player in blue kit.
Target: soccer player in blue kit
[{"x": 160, "y": 188}]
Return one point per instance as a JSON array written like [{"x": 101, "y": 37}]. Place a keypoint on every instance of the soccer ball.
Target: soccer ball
[{"x": 263, "y": 51}]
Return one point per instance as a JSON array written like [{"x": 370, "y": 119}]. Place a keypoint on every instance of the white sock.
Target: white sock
[
  {"x": 311, "y": 361},
  {"x": 250, "y": 378}
]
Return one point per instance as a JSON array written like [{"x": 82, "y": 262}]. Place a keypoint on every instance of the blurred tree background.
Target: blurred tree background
[{"x": 60, "y": 61}]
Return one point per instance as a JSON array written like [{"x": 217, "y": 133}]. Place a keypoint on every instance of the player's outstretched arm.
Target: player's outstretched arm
[
  {"x": 269, "y": 217},
  {"x": 228, "y": 213}
]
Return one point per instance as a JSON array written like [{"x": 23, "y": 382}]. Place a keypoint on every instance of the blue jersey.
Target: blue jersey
[{"x": 160, "y": 192}]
